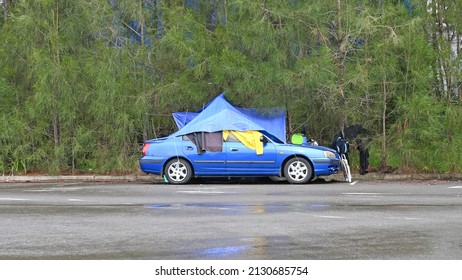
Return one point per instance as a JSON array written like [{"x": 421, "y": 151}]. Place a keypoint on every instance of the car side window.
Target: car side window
[{"x": 231, "y": 138}]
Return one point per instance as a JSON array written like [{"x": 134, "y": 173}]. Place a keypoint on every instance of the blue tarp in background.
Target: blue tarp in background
[
  {"x": 182, "y": 118},
  {"x": 219, "y": 115}
]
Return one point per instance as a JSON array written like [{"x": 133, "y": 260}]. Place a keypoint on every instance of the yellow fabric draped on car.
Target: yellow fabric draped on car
[{"x": 250, "y": 139}]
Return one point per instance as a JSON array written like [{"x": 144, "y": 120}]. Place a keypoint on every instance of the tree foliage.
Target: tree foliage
[{"x": 84, "y": 83}]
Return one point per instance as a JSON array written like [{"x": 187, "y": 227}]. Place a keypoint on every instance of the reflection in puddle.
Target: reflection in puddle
[
  {"x": 244, "y": 208},
  {"x": 244, "y": 248},
  {"x": 221, "y": 252},
  {"x": 225, "y": 208},
  {"x": 231, "y": 208},
  {"x": 317, "y": 207},
  {"x": 155, "y": 205},
  {"x": 354, "y": 244}
]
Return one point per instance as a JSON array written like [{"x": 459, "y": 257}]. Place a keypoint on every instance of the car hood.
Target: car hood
[{"x": 320, "y": 148}]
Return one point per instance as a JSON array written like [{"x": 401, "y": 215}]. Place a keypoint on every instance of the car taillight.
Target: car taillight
[{"x": 145, "y": 148}]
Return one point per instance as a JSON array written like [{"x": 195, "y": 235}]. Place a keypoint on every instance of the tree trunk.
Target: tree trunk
[
  {"x": 340, "y": 65},
  {"x": 56, "y": 94},
  {"x": 444, "y": 65},
  {"x": 6, "y": 4},
  {"x": 383, "y": 160}
]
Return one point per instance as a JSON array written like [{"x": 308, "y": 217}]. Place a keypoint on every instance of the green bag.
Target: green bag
[{"x": 297, "y": 139}]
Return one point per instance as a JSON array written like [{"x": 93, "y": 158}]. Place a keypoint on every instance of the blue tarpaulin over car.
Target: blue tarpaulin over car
[
  {"x": 182, "y": 118},
  {"x": 219, "y": 115}
]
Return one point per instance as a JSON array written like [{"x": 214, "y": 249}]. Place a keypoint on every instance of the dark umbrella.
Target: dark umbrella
[{"x": 354, "y": 130}]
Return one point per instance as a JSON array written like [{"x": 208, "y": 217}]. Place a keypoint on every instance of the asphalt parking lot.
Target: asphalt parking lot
[{"x": 325, "y": 220}]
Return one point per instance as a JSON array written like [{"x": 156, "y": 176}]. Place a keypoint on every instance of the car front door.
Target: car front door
[{"x": 241, "y": 160}]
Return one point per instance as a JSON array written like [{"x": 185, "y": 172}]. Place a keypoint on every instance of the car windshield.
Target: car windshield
[
  {"x": 231, "y": 138},
  {"x": 271, "y": 137}
]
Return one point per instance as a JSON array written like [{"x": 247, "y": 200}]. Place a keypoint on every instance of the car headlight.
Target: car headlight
[{"x": 329, "y": 154}]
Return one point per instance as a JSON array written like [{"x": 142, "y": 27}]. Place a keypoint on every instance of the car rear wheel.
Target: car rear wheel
[
  {"x": 178, "y": 171},
  {"x": 298, "y": 171}
]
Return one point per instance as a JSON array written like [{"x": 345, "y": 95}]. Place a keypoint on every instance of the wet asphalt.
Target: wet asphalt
[{"x": 379, "y": 220}]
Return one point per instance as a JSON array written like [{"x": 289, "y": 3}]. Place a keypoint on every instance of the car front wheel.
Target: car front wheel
[
  {"x": 178, "y": 171},
  {"x": 298, "y": 171}
]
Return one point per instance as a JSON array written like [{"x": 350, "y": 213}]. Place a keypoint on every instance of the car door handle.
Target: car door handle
[
  {"x": 189, "y": 148},
  {"x": 234, "y": 149}
]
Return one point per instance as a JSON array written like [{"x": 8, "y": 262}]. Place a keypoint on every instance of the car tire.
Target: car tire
[
  {"x": 178, "y": 171},
  {"x": 298, "y": 171}
]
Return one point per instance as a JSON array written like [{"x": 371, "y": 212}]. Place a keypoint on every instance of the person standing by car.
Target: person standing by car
[
  {"x": 341, "y": 145},
  {"x": 363, "y": 156}
]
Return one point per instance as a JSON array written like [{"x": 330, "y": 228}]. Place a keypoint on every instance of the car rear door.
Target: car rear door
[{"x": 204, "y": 162}]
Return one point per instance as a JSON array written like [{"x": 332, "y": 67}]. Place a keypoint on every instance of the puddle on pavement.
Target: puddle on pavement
[
  {"x": 244, "y": 248},
  {"x": 232, "y": 208},
  {"x": 221, "y": 252},
  {"x": 155, "y": 205},
  {"x": 388, "y": 244}
]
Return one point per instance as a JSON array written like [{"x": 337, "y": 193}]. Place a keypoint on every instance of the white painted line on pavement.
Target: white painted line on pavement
[
  {"x": 363, "y": 193},
  {"x": 403, "y": 218},
  {"x": 456, "y": 187},
  {"x": 330, "y": 217},
  {"x": 54, "y": 189},
  {"x": 376, "y": 194},
  {"x": 75, "y": 199},
  {"x": 199, "y": 191},
  {"x": 13, "y": 199}
]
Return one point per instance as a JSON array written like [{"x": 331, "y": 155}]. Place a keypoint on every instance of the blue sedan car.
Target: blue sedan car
[{"x": 179, "y": 158}]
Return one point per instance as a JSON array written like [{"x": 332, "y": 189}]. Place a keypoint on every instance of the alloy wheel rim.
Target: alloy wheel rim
[
  {"x": 177, "y": 171},
  {"x": 298, "y": 171}
]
